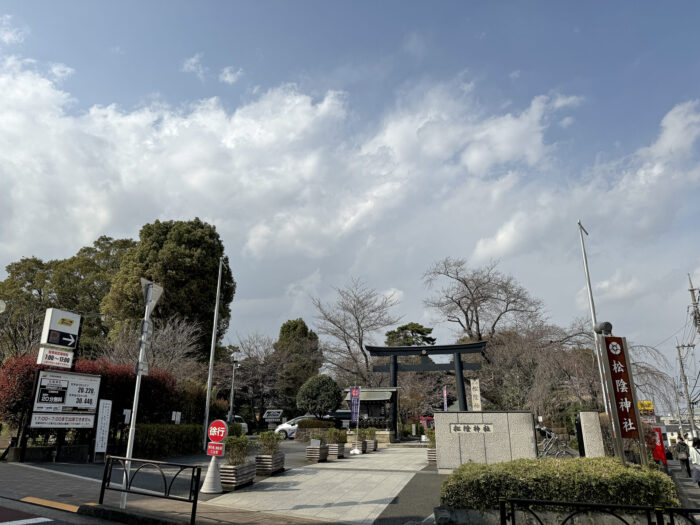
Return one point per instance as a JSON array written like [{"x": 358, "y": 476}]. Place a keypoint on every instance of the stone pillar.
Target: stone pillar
[{"x": 592, "y": 435}]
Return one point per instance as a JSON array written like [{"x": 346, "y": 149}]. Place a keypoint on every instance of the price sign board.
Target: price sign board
[
  {"x": 54, "y": 357},
  {"x": 66, "y": 392},
  {"x": 215, "y": 449},
  {"x": 62, "y": 421}
]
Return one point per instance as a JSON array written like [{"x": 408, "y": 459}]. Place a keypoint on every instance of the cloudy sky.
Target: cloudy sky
[{"x": 327, "y": 140}]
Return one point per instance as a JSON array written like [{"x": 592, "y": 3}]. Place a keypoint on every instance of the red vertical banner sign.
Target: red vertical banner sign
[{"x": 621, "y": 386}]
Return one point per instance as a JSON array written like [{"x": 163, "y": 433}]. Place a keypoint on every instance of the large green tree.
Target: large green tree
[
  {"x": 183, "y": 258},
  {"x": 298, "y": 358},
  {"x": 319, "y": 396},
  {"x": 410, "y": 334}
]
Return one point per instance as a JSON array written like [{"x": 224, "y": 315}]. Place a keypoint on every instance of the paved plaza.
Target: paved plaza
[{"x": 354, "y": 490}]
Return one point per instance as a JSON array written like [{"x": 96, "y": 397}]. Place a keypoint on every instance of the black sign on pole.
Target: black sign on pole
[{"x": 62, "y": 339}]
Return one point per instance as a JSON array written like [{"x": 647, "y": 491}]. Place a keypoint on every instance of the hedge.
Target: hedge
[
  {"x": 163, "y": 441},
  {"x": 315, "y": 423},
  {"x": 589, "y": 480}
]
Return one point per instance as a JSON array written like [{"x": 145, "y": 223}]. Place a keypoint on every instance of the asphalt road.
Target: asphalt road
[{"x": 151, "y": 479}]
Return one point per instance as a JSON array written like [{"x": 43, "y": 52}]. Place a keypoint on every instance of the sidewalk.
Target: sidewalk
[{"x": 688, "y": 491}]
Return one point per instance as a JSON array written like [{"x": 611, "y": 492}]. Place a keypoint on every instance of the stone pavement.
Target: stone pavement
[
  {"x": 688, "y": 491},
  {"x": 388, "y": 487},
  {"x": 353, "y": 490}
]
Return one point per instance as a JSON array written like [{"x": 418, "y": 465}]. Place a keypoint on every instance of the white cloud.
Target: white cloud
[
  {"x": 230, "y": 76},
  {"x": 194, "y": 65},
  {"x": 60, "y": 71},
  {"x": 514, "y": 75},
  {"x": 9, "y": 33},
  {"x": 566, "y": 122}
]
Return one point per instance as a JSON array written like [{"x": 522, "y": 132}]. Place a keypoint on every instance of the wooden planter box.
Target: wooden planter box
[
  {"x": 317, "y": 454},
  {"x": 234, "y": 476},
  {"x": 369, "y": 445},
  {"x": 432, "y": 456},
  {"x": 336, "y": 450},
  {"x": 269, "y": 464}
]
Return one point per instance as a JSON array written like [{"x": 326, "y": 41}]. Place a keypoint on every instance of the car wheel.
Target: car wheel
[{"x": 283, "y": 434}]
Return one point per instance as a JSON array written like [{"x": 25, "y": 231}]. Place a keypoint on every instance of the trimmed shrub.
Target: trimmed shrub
[
  {"x": 430, "y": 432},
  {"x": 337, "y": 436},
  {"x": 237, "y": 448},
  {"x": 268, "y": 443},
  {"x": 321, "y": 435},
  {"x": 362, "y": 434},
  {"x": 235, "y": 429},
  {"x": 163, "y": 441},
  {"x": 371, "y": 433},
  {"x": 588, "y": 480},
  {"x": 316, "y": 423},
  {"x": 319, "y": 395}
]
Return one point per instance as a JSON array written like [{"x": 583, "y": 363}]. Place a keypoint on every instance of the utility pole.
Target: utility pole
[
  {"x": 211, "y": 355},
  {"x": 685, "y": 388},
  {"x": 694, "y": 304}
]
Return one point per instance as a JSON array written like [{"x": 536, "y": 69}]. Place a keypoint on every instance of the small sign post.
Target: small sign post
[
  {"x": 217, "y": 432},
  {"x": 355, "y": 415},
  {"x": 102, "y": 433},
  {"x": 476, "y": 394}
]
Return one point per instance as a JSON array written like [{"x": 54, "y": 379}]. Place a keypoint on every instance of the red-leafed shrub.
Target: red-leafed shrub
[{"x": 16, "y": 385}]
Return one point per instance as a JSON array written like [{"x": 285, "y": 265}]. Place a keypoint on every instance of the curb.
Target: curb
[{"x": 127, "y": 516}]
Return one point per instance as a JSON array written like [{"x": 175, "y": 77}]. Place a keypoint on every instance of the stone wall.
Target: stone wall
[
  {"x": 592, "y": 435},
  {"x": 483, "y": 437}
]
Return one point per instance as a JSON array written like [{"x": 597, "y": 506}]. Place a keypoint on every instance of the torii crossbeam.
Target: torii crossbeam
[{"x": 426, "y": 365}]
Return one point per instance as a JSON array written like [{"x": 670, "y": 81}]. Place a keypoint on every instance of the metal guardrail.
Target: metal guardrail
[
  {"x": 654, "y": 515},
  {"x": 158, "y": 465}
]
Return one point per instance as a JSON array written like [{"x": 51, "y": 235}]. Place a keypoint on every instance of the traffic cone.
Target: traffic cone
[{"x": 212, "y": 481}]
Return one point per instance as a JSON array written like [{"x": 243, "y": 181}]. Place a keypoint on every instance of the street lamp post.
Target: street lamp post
[{"x": 230, "y": 403}]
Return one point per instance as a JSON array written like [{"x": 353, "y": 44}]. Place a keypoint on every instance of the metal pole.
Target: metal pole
[
  {"x": 597, "y": 350},
  {"x": 211, "y": 356},
  {"x": 137, "y": 389},
  {"x": 230, "y": 403}
]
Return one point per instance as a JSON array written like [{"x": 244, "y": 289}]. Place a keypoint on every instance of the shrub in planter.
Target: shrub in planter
[
  {"x": 371, "y": 439},
  {"x": 308, "y": 426},
  {"x": 432, "y": 451},
  {"x": 590, "y": 480},
  {"x": 363, "y": 437},
  {"x": 336, "y": 443},
  {"x": 235, "y": 429},
  {"x": 270, "y": 459},
  {"x": 318, "y": 453},
  {"x": 237, "y": 472}
]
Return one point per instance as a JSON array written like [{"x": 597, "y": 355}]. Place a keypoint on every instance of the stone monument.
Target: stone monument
[
  {"x": 483, "y": 437},
  {"x": 592, "y": 435}
]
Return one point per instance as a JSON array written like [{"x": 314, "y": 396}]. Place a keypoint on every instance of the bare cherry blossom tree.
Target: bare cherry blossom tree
[{"x": 350, "y": 322}]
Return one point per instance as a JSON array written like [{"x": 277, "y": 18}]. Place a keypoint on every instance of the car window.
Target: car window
[{"x": 238, "y": 419}]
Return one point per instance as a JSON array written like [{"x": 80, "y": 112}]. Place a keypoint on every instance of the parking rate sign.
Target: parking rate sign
[{"x": 354, "y": 404}]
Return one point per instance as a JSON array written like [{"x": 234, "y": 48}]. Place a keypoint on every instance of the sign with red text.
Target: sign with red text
[
  {"x": 54, "y": 357},
  {"x": 217, "y": 431},
  {"x": 215, "y": 449},
  {"x": 621, "y": 386},
  {"x": 354, "y": 404}
]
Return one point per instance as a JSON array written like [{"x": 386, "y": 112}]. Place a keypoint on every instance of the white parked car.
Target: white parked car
[
  {"x": 239, "y": 420},
  {"x": 288, "y": 429}
]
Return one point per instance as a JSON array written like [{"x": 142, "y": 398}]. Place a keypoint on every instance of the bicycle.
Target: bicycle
[{"x": 552, "y": 446}]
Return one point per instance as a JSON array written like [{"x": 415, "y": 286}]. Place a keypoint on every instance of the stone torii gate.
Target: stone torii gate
[{"x": 427, "y": 365}]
